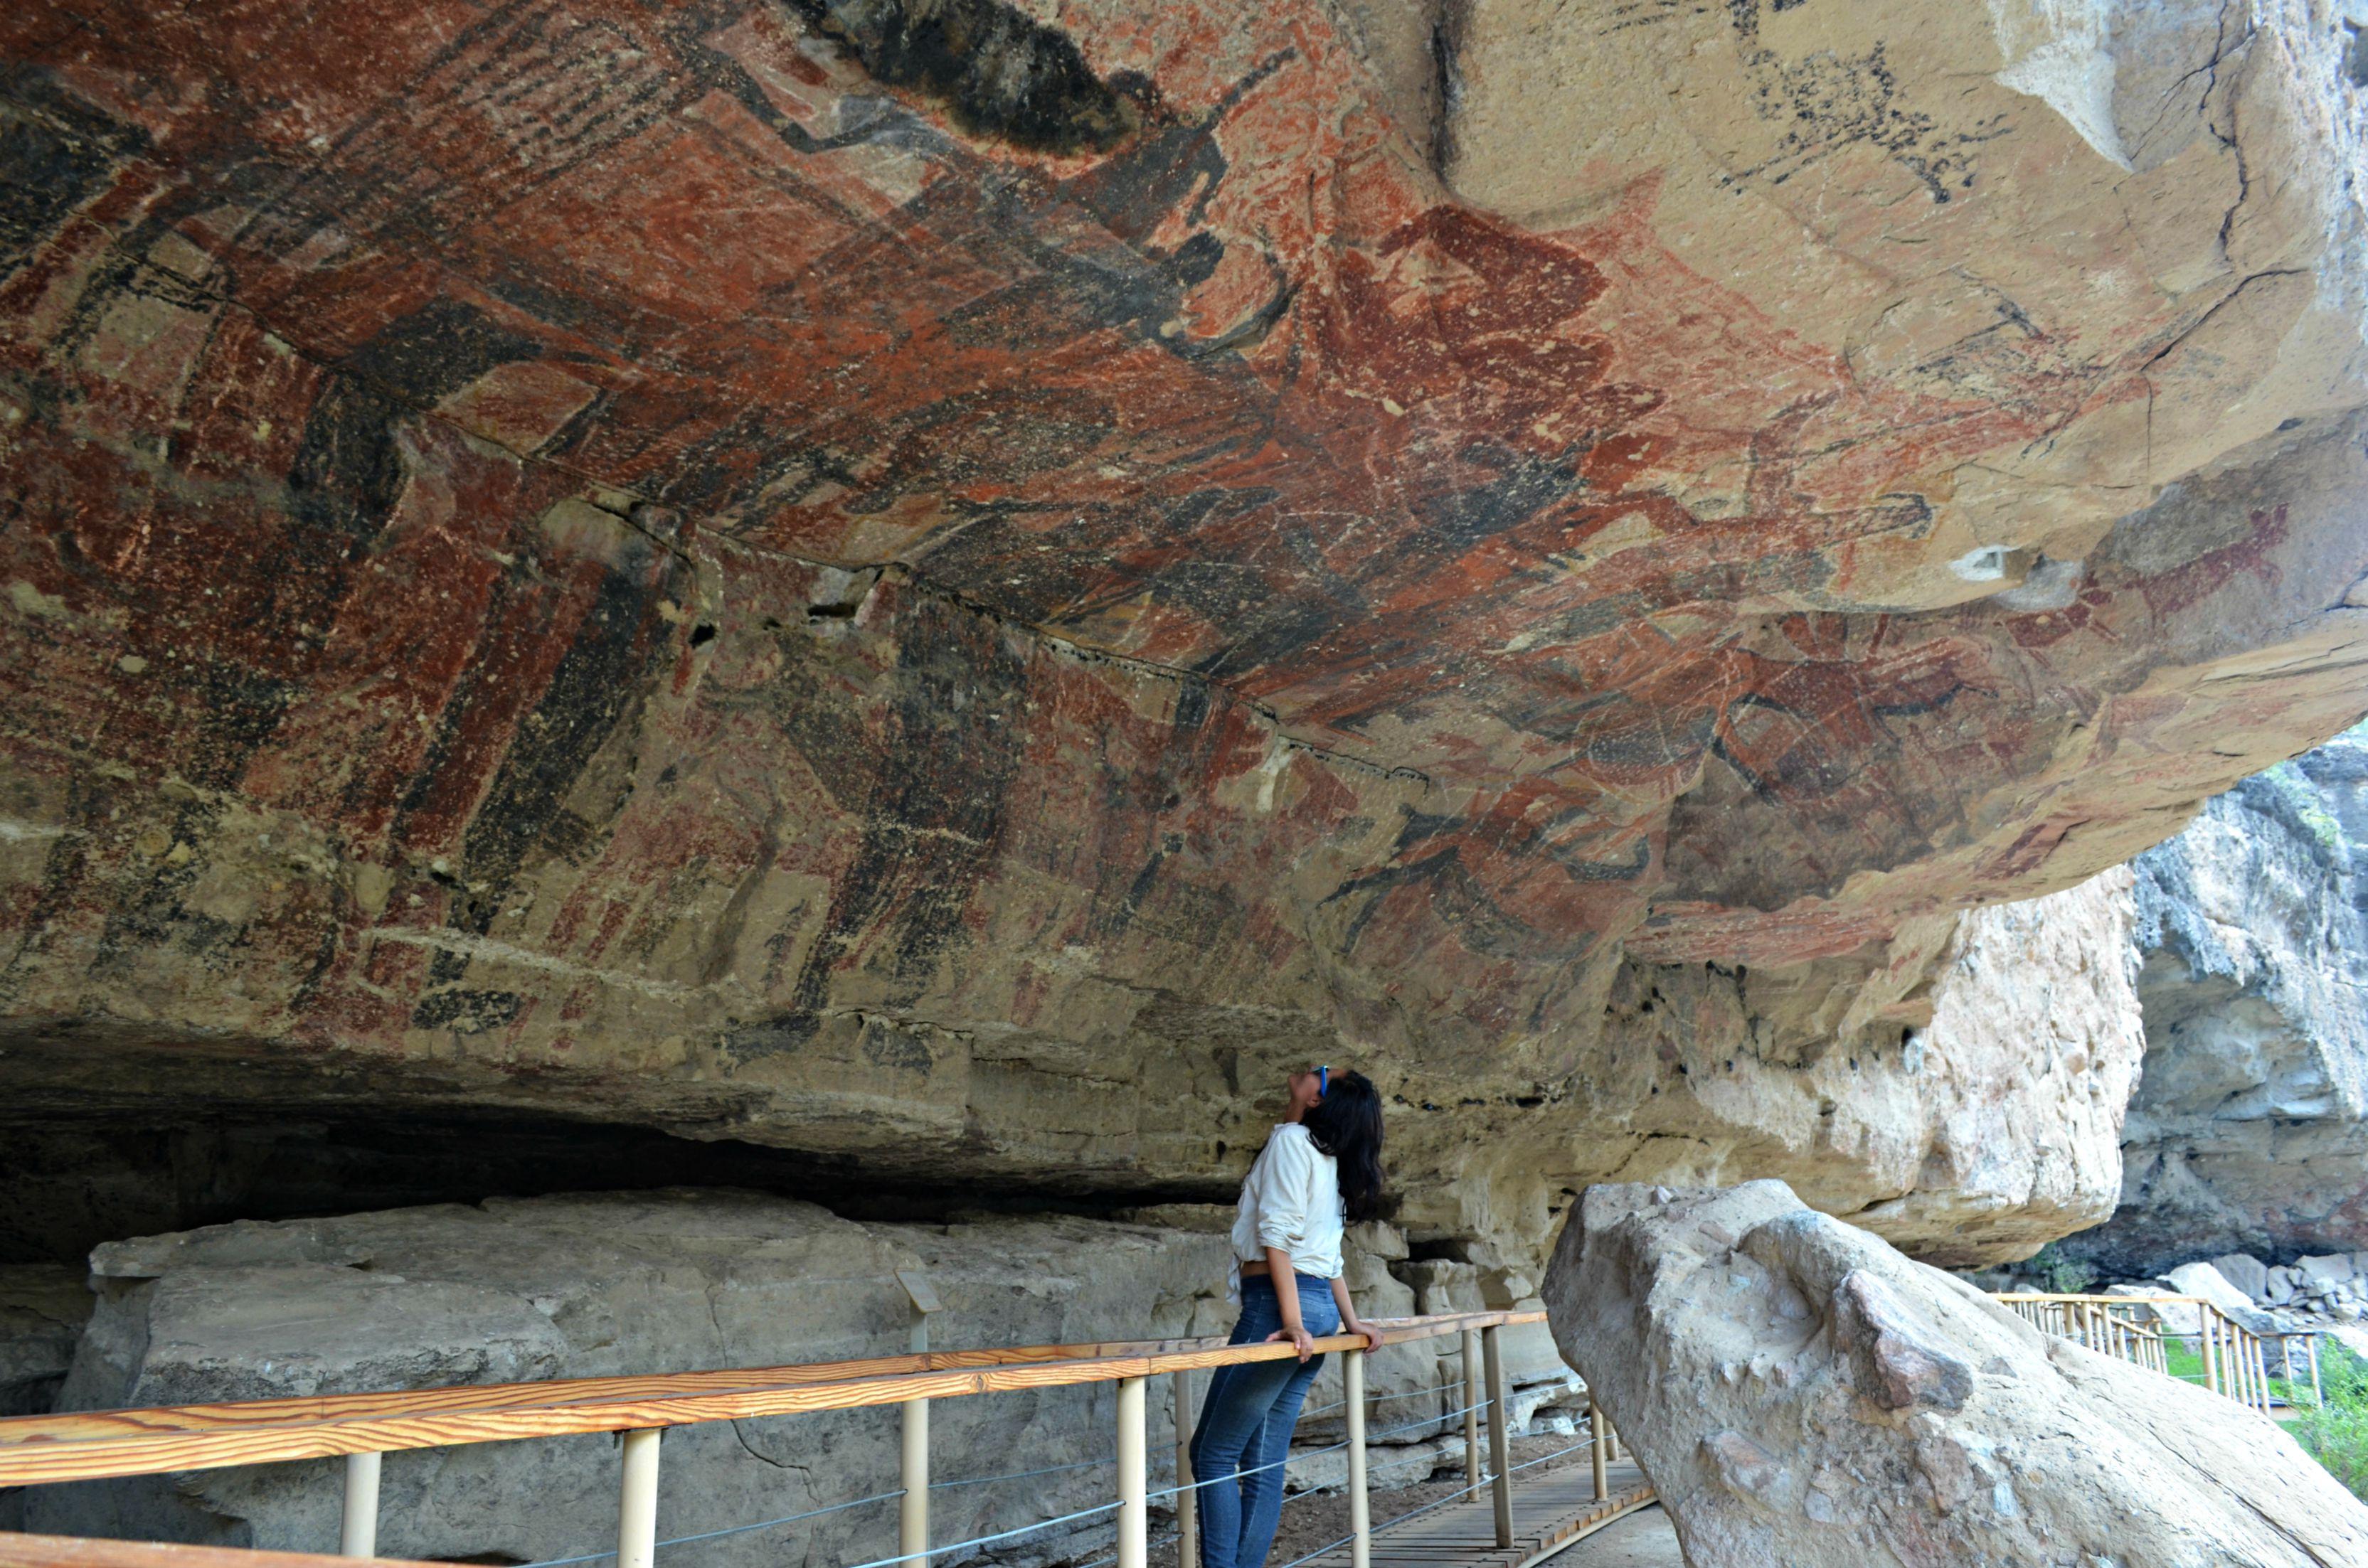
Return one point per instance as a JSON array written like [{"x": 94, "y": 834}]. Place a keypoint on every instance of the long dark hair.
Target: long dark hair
[{"x": 1347, "y": 1124}]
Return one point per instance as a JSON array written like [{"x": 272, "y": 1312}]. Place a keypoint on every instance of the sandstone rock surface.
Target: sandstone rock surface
[
  {"x": 738, "y": 569},
  {"x": 2249, "y": 1132},
  {"x": 2012, "y": 1096},
  {"x": 1801, "y": 1393}
]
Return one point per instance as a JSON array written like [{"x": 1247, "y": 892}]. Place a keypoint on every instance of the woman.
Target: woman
[{"x": 1320, "y": 1169}]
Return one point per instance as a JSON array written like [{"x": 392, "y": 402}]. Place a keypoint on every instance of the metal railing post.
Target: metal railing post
[
  {"x": 1599, "y": 1447},
  {"x": 913, "y": 1457},
  {"x": 1133, "y": 1483},
  {"x": 1500, "y": 1485},
  {"x": 2207, "y": 1333},
  {"x": 1471, "y": 1408},
  {"x": 1361, "y": 1517},
  {"x": 2318, "y": 1394},
  {"x": 913, "y": 1508},
  {"x": 637, "y": 1508},
  {"x": 357, "y": 1536},
  {"x": 1188, "y": 1501}
]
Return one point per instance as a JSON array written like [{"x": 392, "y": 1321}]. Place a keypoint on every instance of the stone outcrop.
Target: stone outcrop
[
  {"x": 587, "y": 1286},
  {"x": 43, "y": 1309},
  {"x": 1962, "y": 1100},
  {"x": 2249, "y": 1133},
  {"x": 1800, "y": 1394},
  {"x": 2010, "y": 1096},
  {"x": 741, "y": 568},
  {"x": 1958, "y": 1092}
]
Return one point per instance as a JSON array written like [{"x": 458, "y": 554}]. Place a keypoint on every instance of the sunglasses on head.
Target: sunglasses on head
[{"x": 1323, "y": 1082}]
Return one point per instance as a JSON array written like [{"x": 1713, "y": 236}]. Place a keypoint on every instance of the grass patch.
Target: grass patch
[
  {"x": 2337, "y": 1434},
  {"x": 2188, "y": 1365}
]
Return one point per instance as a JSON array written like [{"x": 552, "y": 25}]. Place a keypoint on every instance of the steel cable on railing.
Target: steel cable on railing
[
  {"x": 729, "y": 1529},
  {"x": 1021, "y": 1474},
  {"x": 1092, "y": 1464},
  {"x": 1171, "y": 1537},
  {"x": 1440, "y": 1503},
  {"x": 1311, "y": 1453},
  {"x": 833, "y": 1509},
  {"x": 939, "y": 1549},
  {"x": 837, "y": 1507},
  {"x": 1026, "y": 1474},
  {"x": 1432, "y": 1459},
  {"x": 1384, "y": 1398},
  {"x": 1516, "y": 1468},
  {"x": 1486, "y": 1481},
  {"x": 1254, "y": 1470},
  {"x": 972, "y": 1480}
]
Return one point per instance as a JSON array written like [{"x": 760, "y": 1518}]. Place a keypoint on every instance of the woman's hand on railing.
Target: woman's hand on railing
[
  {"x": 1359, "y": 1326},
  {"x": 1297, "y": 1334}
]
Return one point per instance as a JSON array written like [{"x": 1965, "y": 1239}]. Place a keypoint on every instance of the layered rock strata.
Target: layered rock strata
[
  {"x": 1801, "y": 1393},
  {"x": 949, "y": 585},
  {"x": 2249, "y": 1133},
  {"x": 594, "y": 1285},
  {"x": 1958, "y": 1092}
]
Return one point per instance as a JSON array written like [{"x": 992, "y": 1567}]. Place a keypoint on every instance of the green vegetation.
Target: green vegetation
[
  {"x": 2337, "y": 1435},
  {"x": 2188, "y": 1365},
  {"x": 2061, "y": 1275},
  {"x": 2308, "y": 805}
]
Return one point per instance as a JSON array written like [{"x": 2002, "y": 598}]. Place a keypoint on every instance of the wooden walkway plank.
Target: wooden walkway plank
[{"x": 1551, "y": 1514}]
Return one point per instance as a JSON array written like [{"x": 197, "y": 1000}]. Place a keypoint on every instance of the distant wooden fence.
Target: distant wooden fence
[
  {"x": 361, "y": 1428},
  {"x": 2137, "y": 1329}
]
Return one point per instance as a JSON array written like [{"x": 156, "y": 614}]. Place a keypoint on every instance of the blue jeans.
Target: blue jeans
[{"x": 1246, "y": 1424}]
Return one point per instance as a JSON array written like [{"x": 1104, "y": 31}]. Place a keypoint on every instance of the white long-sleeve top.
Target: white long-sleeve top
[{"x": 1291, "y": 1199}]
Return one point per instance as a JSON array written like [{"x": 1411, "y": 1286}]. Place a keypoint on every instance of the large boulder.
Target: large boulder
[
  {"x": 2204, "y": 1280},
  {"x": 600, "y": 1285},
  {"x": 946, "y": 596},
  {"x": 593, "y": 1285},
  {"x": 2248, "y": 1131},
  {"x": 1801, "y": 1393},
  {"x": 2246, "y": 1273}
]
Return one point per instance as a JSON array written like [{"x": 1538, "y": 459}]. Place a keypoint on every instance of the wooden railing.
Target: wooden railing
[
  {"x": 71, "y": 1551},
  {"x": 360, "y": 1427},
  {"x": 2136, "y": 1328}
]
